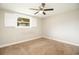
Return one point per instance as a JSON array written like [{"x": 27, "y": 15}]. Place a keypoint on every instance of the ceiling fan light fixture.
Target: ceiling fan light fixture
[{"x": 42, "y": 8}]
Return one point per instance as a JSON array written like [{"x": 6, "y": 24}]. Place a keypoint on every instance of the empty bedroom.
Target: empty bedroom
[{"x": 39, "y": 28}]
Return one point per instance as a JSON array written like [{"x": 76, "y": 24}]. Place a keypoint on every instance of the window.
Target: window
[
  {"x": 23, "y": 21},
  {"x": 19, "y": 21}
]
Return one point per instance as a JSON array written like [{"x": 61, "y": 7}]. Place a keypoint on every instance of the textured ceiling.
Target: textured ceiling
[{"x": 24, "y": 8}]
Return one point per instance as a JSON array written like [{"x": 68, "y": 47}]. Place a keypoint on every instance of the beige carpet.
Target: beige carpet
[{"x": 40, "y": 46}]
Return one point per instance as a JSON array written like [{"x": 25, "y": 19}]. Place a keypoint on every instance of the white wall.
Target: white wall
[
  {"x": 12, "y": 34},
  {"x": 64, "y": 26}
]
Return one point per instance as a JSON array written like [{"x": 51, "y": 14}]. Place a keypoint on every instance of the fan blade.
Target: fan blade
[
  {"x": 44, "y": 13},
  {"x": 43, "y": 4},
  {"x": 36, "y": 12},
  {"x": 48, "y": 9},
  {"x": 33, "y": 9}
]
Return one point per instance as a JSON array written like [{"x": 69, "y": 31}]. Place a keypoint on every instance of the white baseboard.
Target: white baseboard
[
  {"x": 48, "y": 37},
  {"x": 12, "y": 43},
  {"x": 63, "y": 41}
]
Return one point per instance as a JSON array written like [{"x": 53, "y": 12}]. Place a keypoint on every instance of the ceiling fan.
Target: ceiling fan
[{"x": 42, "y": 8}]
